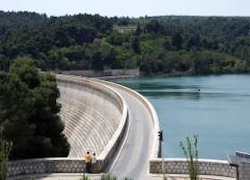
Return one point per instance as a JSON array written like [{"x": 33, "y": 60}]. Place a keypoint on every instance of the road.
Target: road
[{"x": 133, "y": 159}]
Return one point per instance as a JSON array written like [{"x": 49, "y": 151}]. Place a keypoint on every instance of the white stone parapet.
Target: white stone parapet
[{"x": 180, "y": 166}]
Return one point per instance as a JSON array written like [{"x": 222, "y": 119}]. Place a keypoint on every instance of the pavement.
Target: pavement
[{"x": 134, "y": 155}]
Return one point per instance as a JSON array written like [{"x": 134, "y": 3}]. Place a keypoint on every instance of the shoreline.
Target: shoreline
[{"x": 157, "y": 75}]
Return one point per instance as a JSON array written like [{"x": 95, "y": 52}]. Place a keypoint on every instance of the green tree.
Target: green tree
[
  {"x": 72, "y": 42},
  {"x": 138, "y": 30},
  {"x": 136, "y": 44},
  {"x": 97, "y": 63},
  {"x": 194, "y": 41},
  {"x": 177, "y": 41},
  {"x": 153, "y": 27},
  {"x": 4, "y": 63},
  {"x": 29, "y": 112},
  {"x": 245, "y": 54},
  {"x": 108, "y": 54},
  {"x": 26, "y": 71},
  {"x": 5, "y": 149}
]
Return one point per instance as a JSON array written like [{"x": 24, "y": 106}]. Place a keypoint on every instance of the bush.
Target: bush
[{"x": 191, "y": 153}]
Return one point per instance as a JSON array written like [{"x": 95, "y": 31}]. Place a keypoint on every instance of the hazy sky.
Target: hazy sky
[{"x": 131, "y": 8}]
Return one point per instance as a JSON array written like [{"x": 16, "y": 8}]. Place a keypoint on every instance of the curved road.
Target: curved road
[{"x": 133, "y": 159}]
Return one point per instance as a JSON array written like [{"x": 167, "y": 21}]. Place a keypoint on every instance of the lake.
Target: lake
[{"x": 217, "y": 108}]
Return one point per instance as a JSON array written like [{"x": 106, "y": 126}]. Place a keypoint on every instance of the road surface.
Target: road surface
[{"x": 133, "y": 159}]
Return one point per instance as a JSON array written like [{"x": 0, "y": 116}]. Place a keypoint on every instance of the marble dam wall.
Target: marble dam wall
[{"x": 95, "y": 118}]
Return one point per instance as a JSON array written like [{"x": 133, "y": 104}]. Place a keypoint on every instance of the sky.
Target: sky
[{"x": 131, "y": 8}]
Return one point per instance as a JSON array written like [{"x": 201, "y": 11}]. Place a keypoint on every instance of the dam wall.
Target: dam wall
[
  {"x": 104, "y": 74},
  {"x": 95, "y": 118},
  {"x": 91, "y": 113}
]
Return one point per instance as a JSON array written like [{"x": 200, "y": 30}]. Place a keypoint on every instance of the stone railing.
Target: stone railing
[
  {"x": 46, "y": 165},
  {"x": 180, "y": 166},
  {"x": 77, "y": 165}
]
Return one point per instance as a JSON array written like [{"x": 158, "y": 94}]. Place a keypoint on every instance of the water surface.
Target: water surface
[{"x": 217, "y": 108}]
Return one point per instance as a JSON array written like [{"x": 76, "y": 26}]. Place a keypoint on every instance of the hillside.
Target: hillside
[{"x": 159, "y": 45}]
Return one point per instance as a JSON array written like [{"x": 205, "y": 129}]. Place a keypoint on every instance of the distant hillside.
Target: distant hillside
[
  {"x": 12, "y": 20},
  {"x": 159, "y": 45},
  {"x": 212, "y": 26}
]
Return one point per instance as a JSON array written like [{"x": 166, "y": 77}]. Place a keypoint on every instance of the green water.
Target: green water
[{"x": 219, "y": 113}]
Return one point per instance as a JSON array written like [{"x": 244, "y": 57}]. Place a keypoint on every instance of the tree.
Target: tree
[
  {"x": 64, "y": 42},
  {"x": 5, "y": 148},
  {"x": 136, "y": 44},
  {"x": 97, "y": 63},
  {"x": 245, "y": 54},
  {"x": 108, "y": 54},
  {"x": 25, "y": 69},
  {"x": 4, "y": 63},
  {"x": 29, "y": 112},
  {"x": 177, "y": 41},
  {"x": 194, "y": 41},
  {"x": 153, "y": 27},
  {"x": 191, "y": 153},
  {"x": 138, "y": 30}
]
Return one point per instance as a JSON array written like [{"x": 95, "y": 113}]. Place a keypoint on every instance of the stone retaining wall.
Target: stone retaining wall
[
  {"x": 77, "y": 165},
  {"x": 206, "y": 167}
]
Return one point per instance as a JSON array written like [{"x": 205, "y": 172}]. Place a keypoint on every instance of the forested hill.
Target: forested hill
[
  {"x": 159, "y": 45},
  {"x": 10, "y": 20}
]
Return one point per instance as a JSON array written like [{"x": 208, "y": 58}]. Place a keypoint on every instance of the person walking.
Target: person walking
[
  {"x": 93, "y": 158},
  {"x": 93, "y": 162},
  {"x": 88, "y": 162}
]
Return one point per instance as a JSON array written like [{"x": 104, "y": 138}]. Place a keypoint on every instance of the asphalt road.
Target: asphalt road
[{"x": 133, "y": 159}]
